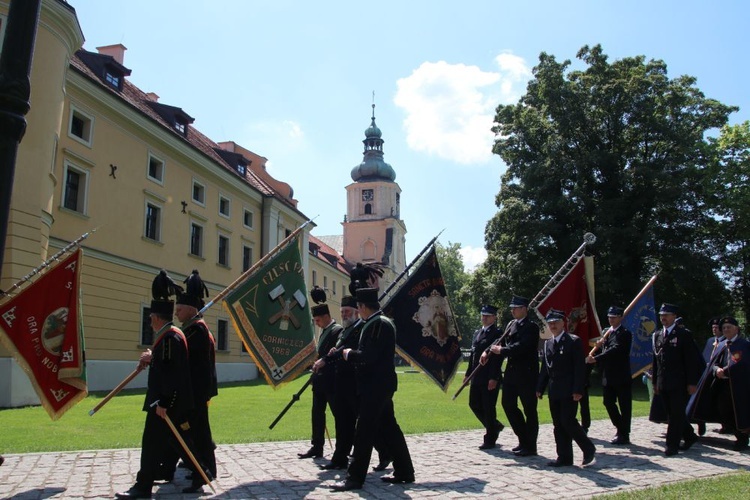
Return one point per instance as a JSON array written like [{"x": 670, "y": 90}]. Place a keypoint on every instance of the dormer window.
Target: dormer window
[
  {"x": 113, "y": 79},
  {"x": 241, "y": 168},
  {"x": 181, "y": 127}
]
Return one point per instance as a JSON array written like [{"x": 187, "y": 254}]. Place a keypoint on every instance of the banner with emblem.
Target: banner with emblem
[
  {"x": 42, "y": 328},
  {"x": 426, "y": 333},
  {"x": 574, "y": 295},
  {"x": 271, "y": 314},
  {"x": 640, "y": 319}
]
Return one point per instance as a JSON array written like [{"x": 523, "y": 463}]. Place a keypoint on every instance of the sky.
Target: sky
[{"x": 293, "y": 81}]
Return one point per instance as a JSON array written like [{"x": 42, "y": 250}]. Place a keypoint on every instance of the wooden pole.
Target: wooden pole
[
  {"x": 187, "y": 450},
  {"x": 116, "y": 390}
]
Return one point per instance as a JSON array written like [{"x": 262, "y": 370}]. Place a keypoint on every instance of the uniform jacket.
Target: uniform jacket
[
  {"x": 521, "y": 348},
  {"x": 346, "y": 373},
  {"x": 563, "y": 367},
  {"x": 677, "y": 360},
  {"x": 735, "y": 360},
  {"x": 373, "y": 358},
  {"x": 614, "y": 357},
  {"x": 325, "y": 379},
  {"x": 169, "y": 372},
  {"x": 493, "y": 369},
  {"x": 202, "y": 360}
]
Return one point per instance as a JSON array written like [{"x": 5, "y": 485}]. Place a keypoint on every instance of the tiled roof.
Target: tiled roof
[
  {"x": 138, "y": 99},
  {"x": 335, "y": 241},
  {"x": 330, "y": 255}
]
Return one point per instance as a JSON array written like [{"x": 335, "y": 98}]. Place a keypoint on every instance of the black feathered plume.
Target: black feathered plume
[
  {"x": 365, "y": 275},
  {"x": 194, "y": 285},
  {"x": 163, "y": 287},
  {"x": 318, "y": 295}
]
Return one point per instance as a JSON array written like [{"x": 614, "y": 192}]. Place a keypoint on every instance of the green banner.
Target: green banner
[{"x": 272, "y": 316}]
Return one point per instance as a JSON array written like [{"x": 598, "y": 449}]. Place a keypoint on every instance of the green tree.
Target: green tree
[
  {"x": 617, "y": 149},
  {"x": 729, "y": 189},
  {"x": 456, "y": 279}
]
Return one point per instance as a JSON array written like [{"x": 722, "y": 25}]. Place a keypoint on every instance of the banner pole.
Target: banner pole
[
  {"x": 406, "y": 270},
  {"x": 67, "y": 248}
]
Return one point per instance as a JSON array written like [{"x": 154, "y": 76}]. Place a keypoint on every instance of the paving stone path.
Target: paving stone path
[{"x": 448, "y": 465}]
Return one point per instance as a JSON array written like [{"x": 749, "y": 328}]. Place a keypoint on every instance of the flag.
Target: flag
[
  {"x": 574, "y": 295},
  {"x": 426, "y": 333},
  {"x": 42, "y": 328},
  {"x": 640, "y": 319},
  {"x": 272, "y": 316}
]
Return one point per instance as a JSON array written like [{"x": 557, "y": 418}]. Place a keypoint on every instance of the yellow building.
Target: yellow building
[{"x": 100, "y": 153}]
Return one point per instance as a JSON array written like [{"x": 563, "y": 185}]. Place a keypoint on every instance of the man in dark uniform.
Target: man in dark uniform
[
  {"x": 485, "y": 386},
  {"x": 169, "y": 393},
  {"x": 722, "y": 393},
  {"x": 519, "y": 345},
  {"x": 202, "y": 360},
  {"x": 708, "y": 350},
  {"x": 613, "y": 359},
  {"x": 376, "y": 383},
  {"x": 345, "y": 396},
  {"x": 324, "y": 380},
  {"x": 677, "y": 368},
  {"x": 563, "y": 369}
]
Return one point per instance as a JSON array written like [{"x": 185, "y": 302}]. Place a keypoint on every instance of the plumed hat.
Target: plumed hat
[{"x": 162, "y": 288}]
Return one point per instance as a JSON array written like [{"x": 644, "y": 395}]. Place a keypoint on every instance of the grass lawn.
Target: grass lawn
[
  {"x": 242, "y": 412},
  {"x": 726, "y": 486}
]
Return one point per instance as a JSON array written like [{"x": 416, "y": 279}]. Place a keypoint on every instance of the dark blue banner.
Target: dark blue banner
[{"x": 640, "y": 318}]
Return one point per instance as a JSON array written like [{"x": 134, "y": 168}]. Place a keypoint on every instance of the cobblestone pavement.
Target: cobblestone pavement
[{"x": 448, "y": 465}]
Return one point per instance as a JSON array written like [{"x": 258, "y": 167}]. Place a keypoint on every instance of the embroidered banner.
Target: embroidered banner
[
  {"x": 640, "y": 319},
  {"x": 426, "y": 333},
  {"x": 42, "y": 327},
  {"x": 272, "y": 316}
]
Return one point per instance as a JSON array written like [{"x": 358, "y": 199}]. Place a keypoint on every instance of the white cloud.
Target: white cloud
[
  {"x": 472, "y": 257},
  {"x": 450, "y": 107}
]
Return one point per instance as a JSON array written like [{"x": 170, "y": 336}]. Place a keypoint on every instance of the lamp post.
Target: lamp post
[{"x": 15, "y": 89}]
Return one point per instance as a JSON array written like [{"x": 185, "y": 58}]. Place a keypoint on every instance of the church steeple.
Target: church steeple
[{"x": 373, "y": 167}]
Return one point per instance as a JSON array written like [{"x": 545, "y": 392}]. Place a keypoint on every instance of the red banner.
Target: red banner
[
  {"x": 41, "y": 327},
  {"x": 572, "y": 297}
]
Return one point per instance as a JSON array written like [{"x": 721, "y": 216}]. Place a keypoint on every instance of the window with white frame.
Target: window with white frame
[
  {"x": 315, "y": 277},
  {"x": 147, "y": 333},
  {"x": 334, "y": 287},
  {"x": 155, "y": 169},
  {"x": 81, "y": 126},
  {"x": 199, "y": 193},
  {"x": 325, "y": 282},
  {"x": 225, "y": 206},
  {"x": 223, "y": 251},
  {"x": 248, "y": 218},
  {"x": 196, "y": 239},
  {"x": 75, "y": 187},
  {"x": 247, "y": 257},
  {"x": 152, "y": 226},
  {"x": 222, "y": 334}
]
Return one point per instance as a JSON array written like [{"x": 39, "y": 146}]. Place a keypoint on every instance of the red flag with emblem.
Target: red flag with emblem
[
  {"x": 574, "y": 295},
  {"x": 41, "y": 327}
]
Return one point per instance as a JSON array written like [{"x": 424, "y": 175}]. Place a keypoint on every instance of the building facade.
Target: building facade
[{"x": 101, "y": 154}]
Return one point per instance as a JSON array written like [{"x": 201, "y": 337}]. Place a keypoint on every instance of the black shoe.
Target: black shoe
[
  {"x": 486, "y": 446},
  {"x": 689, "y": 441},
  {"x": 311, "y": 453},
  {"x": 134, "y": 493},
  {"x": 382, "y": 466},
  {"x": 740, "y": 445},
  {"x": 589, "y": 460},
  {"x": 620, "y": 440},
  {"x": 723, "y": 430},
  {"x": 670, "y": 452},
  {"x": 394, "y": 479},
  {"x": 516, "y": 448},
  {"x": 2, "y": 460},
  {"x": 500, "y": 427},
  {"x": 701, "y": 428},
  {"x": 347, "y": 485},
  {"x": 334, "y": 465},
  {"x": 523, "y": 452},
  {"x": 195, "y": 487},
  {"x": 559, "y": 463}
]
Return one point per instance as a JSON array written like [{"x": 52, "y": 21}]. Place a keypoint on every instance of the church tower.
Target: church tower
[{"x": 373, "y": 229}]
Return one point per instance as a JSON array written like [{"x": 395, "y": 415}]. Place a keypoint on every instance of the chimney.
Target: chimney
[
  {"x": 152, "y": 96},
  {"x": 116, "y": 51}
]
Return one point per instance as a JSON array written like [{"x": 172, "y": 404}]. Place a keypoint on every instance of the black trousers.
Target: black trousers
[
  {"x": 201, "y": 432},
  {"x": 159, "y": 448},
  {"x": 618, "y": 400},
  {"x": 567, "y": 429},
  {"x": 346, "y": 420},
  {"x": 321, "y": 399},
  {"x": 678, "y": 426},
  {"x": 376, "y": 418},
  {"x": 483, "y": 403},
  {"x": 525, "y": 424}
]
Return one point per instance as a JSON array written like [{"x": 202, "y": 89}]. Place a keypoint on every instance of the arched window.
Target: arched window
[
  {"x": 368, "y": 209},
  {"x": 368, "y": 250}
]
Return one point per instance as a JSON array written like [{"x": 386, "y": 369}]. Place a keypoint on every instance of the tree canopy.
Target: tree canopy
[{"x": 618, "y": 149}]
